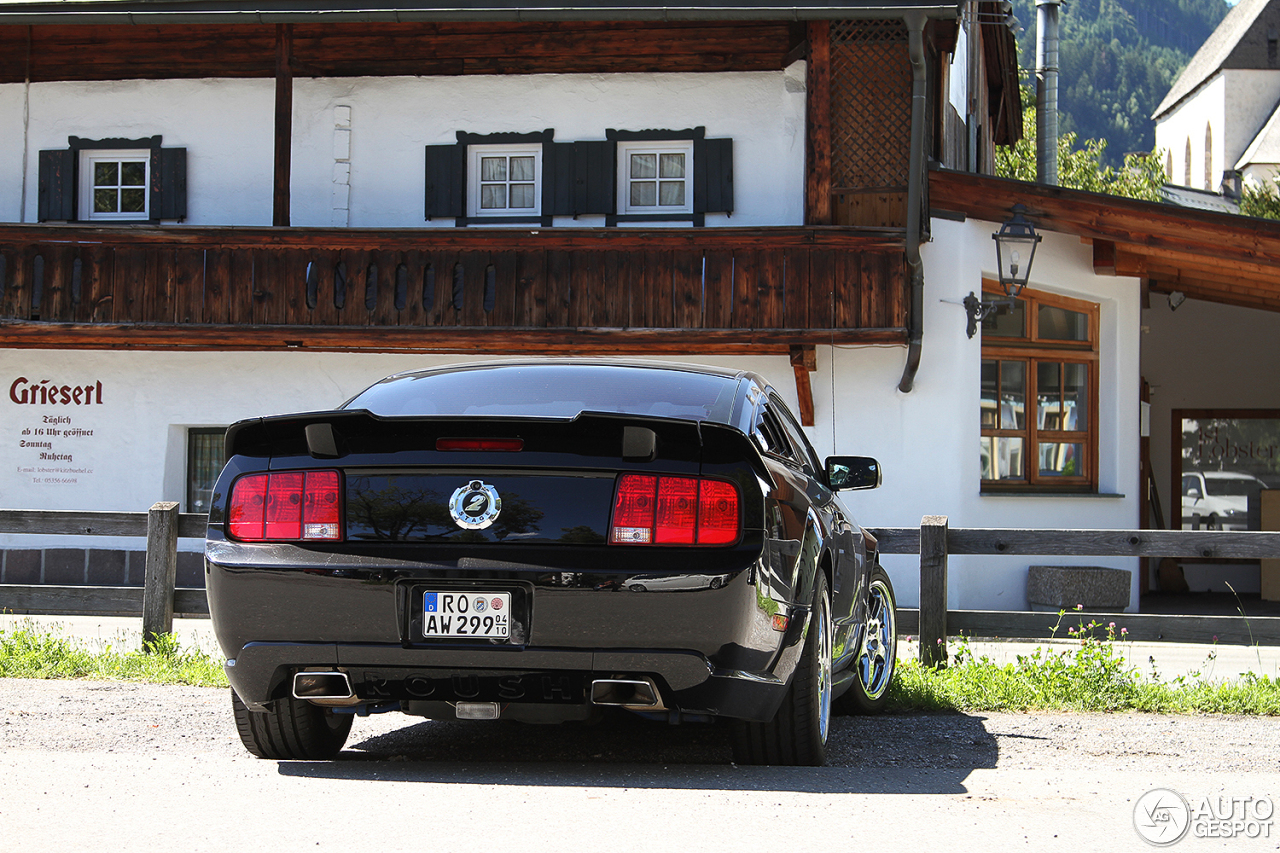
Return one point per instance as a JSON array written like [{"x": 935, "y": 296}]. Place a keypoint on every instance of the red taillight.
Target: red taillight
[
  {"x": 510, "y": 445},
  {"x": 652, "y": 510},
  {"x": 717, "y": 513},
  {"x": 287, "y": 505}
]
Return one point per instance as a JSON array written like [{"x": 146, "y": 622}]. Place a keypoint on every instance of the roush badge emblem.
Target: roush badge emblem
[{"x": 475, "y": 506}]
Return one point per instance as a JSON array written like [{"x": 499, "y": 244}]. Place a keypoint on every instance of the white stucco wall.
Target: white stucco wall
[
  {"x": 1193, "y": 359},
  {"x": 227, "y": 128},
  {"x": 928, "y": 440},
  {"x": 225, "y": 125},
  {"x": 392, "y": 120}
]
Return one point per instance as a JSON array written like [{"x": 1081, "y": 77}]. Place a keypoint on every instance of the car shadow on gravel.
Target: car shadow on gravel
[{"x": 916, "y": 753}]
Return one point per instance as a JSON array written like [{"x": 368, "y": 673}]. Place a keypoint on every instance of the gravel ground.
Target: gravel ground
[{"x": 131, "y": 718}]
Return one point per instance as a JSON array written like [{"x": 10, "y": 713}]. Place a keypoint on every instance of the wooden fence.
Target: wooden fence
[{"x": 934, "y": 541}]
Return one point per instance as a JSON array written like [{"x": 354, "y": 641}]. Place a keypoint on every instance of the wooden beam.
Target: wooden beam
[
  {"x": 1104, "y": 257},
  {"x": 817, "y": 191},
  {"x": 560, "y": 341},
  {"x": 1121, "y": 220},
  {"x": 804, "y": 360},
  {"x": 474, "y": 239},
  {"x": 283, "y": 125},
  {"x": 63, "y": 522}
]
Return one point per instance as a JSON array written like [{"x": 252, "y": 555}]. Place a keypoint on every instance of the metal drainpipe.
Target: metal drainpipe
[
  {"x": 1047, "y": 92},
  {"x": 915, "y": 202}
]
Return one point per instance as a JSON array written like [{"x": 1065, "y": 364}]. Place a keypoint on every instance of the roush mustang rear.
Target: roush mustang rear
[{"x": 534, "y": 541}]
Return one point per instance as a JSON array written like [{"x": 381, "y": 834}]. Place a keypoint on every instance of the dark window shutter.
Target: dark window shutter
[
  {"x": 170, "y": 180},
  {"x": 57, "y": 186},
  {"x": 596, "y": 176},
  {"x": 557, "y": 179},
  {"x": 713, "y": 176},
  {"x": 446, "y": 181}
]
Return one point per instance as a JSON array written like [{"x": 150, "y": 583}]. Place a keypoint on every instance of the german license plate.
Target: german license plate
[{"x": 466, "y": 614}]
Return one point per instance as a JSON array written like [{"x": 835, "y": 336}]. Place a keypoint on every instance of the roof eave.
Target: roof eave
[{"x": 291, "y": 11}]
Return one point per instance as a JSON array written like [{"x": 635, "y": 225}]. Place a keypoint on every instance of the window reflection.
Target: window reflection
[
  {"x": 1002, "y": 458},
  {"x": 1062, "y": 324},
  {"x": 1013, "y": 394},
  {"x": 1061, "y": 459}
]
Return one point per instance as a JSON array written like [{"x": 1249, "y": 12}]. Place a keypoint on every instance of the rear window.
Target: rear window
[{"x": 551, "y": 391}]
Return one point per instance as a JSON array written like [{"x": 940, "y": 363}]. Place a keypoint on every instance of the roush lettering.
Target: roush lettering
[{"x": 45, "y": 393}]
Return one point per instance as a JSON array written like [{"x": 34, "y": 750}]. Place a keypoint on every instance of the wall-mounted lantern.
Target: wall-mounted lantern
[{"x": 1016, "y": 243}]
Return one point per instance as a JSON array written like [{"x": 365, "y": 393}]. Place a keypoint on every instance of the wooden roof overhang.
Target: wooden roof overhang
[{"x": 1215, "y": 257}]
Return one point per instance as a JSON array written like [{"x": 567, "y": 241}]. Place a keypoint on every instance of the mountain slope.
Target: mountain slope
[{"x": 1118, "y": 58}]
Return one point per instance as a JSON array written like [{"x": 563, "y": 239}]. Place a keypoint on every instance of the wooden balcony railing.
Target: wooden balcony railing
[{"x": 550, "y": 290}]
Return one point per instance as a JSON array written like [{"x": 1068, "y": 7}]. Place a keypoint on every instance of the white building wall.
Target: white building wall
[
  {"x": 928, "y": 440},
  {"x": 225, "y": 125},
  {"x": 1187, "y": 121},
  {"x": 392, "y": 120}
]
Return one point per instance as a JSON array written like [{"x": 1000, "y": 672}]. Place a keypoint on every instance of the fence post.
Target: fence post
[
  {"x": 162, "y": 571},
  {"x": 933, "y": 590}
]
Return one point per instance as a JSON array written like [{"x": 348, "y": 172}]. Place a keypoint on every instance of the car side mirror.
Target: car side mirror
[
  {"x": 1193, "y": 493},
  {"x": 852, "y": 472}
]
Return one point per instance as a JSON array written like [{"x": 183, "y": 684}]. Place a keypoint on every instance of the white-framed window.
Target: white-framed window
[
  {"x": 504, "y": 180},
  {"x": 114, "y": 183},
  {"x": 655, "y": 177}
]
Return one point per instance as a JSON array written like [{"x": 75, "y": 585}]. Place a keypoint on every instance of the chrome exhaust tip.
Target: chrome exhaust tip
[
  {"x": 322, "y": 685},
  {"x": 626, "y": 692}
]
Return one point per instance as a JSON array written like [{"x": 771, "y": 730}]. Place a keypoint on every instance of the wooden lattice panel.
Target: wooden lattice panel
[{"x": 870, "y": 105}]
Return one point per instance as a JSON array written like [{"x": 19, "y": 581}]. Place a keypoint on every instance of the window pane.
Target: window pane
[
  {"x": 672, "y": 166},
  {"x": 105, "y": 174},
  {"x": 644, "y": 165},
  {"x": 105, "y": 201},
  {"x": 644, "y": 193},
  {"x": 1075, "y": 396},
  {"x": 1061, "y": 459},
  {"x": 204, "y": 462},
  {"x": 1012, "y": 324},
  {"x": 1049, "y": 395},
  {"x": 493, "y": 197},
  {"x": 1013, "y": 394},
  {"x": 522, "y": 196},
  {"x": 1002, "y": 458},
  {"x": 133, "y": 201},
  {"x": 990, "y": 394},
  {"x": 133, "y": 174},
  {"x": 672, "y": 193},
  {"x": 522, "y": 168},
  {"x": 493, "y": 168},
  {"x": 1059, "y": 324}
]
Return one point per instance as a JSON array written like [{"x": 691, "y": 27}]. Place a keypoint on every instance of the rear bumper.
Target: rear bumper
[
  {"x": 261, "y": 672},
  {"x": 707, "y": 639}
]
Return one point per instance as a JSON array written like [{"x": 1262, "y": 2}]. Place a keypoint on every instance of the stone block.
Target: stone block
[
  {"x": 64, "y": 565},
  {"x": 106, "y": 568},
  {"x": 22, "y": 565},
  {"x": 1063, "y": 587}
]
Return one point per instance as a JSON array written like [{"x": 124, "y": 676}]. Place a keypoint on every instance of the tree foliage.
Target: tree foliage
[
  {"x": 1140, "y": 176},
  {"x": 1262, "y": 201},
  {"x": 1117, "y": 61}
]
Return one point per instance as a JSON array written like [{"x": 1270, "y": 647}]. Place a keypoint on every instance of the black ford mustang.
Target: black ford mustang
[{"x": 532, "y": 541}]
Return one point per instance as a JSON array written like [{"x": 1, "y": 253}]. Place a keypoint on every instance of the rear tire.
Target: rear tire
[
  {"x": 797, "y": 735},
  {"x": 877, "y": 655},
  {"x": 294, "y": 730}
]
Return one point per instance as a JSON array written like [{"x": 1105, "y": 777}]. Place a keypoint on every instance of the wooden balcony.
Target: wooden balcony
[{"x": 600, "y": 291}]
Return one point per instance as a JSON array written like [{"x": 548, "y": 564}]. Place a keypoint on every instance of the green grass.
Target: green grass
[
  {"x": 25, "y": 653},
  {"x": 1090, "y": 674}
]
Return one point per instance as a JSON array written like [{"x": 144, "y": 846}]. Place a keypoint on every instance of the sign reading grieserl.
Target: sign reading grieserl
[{"x": 55, "y": 437}]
